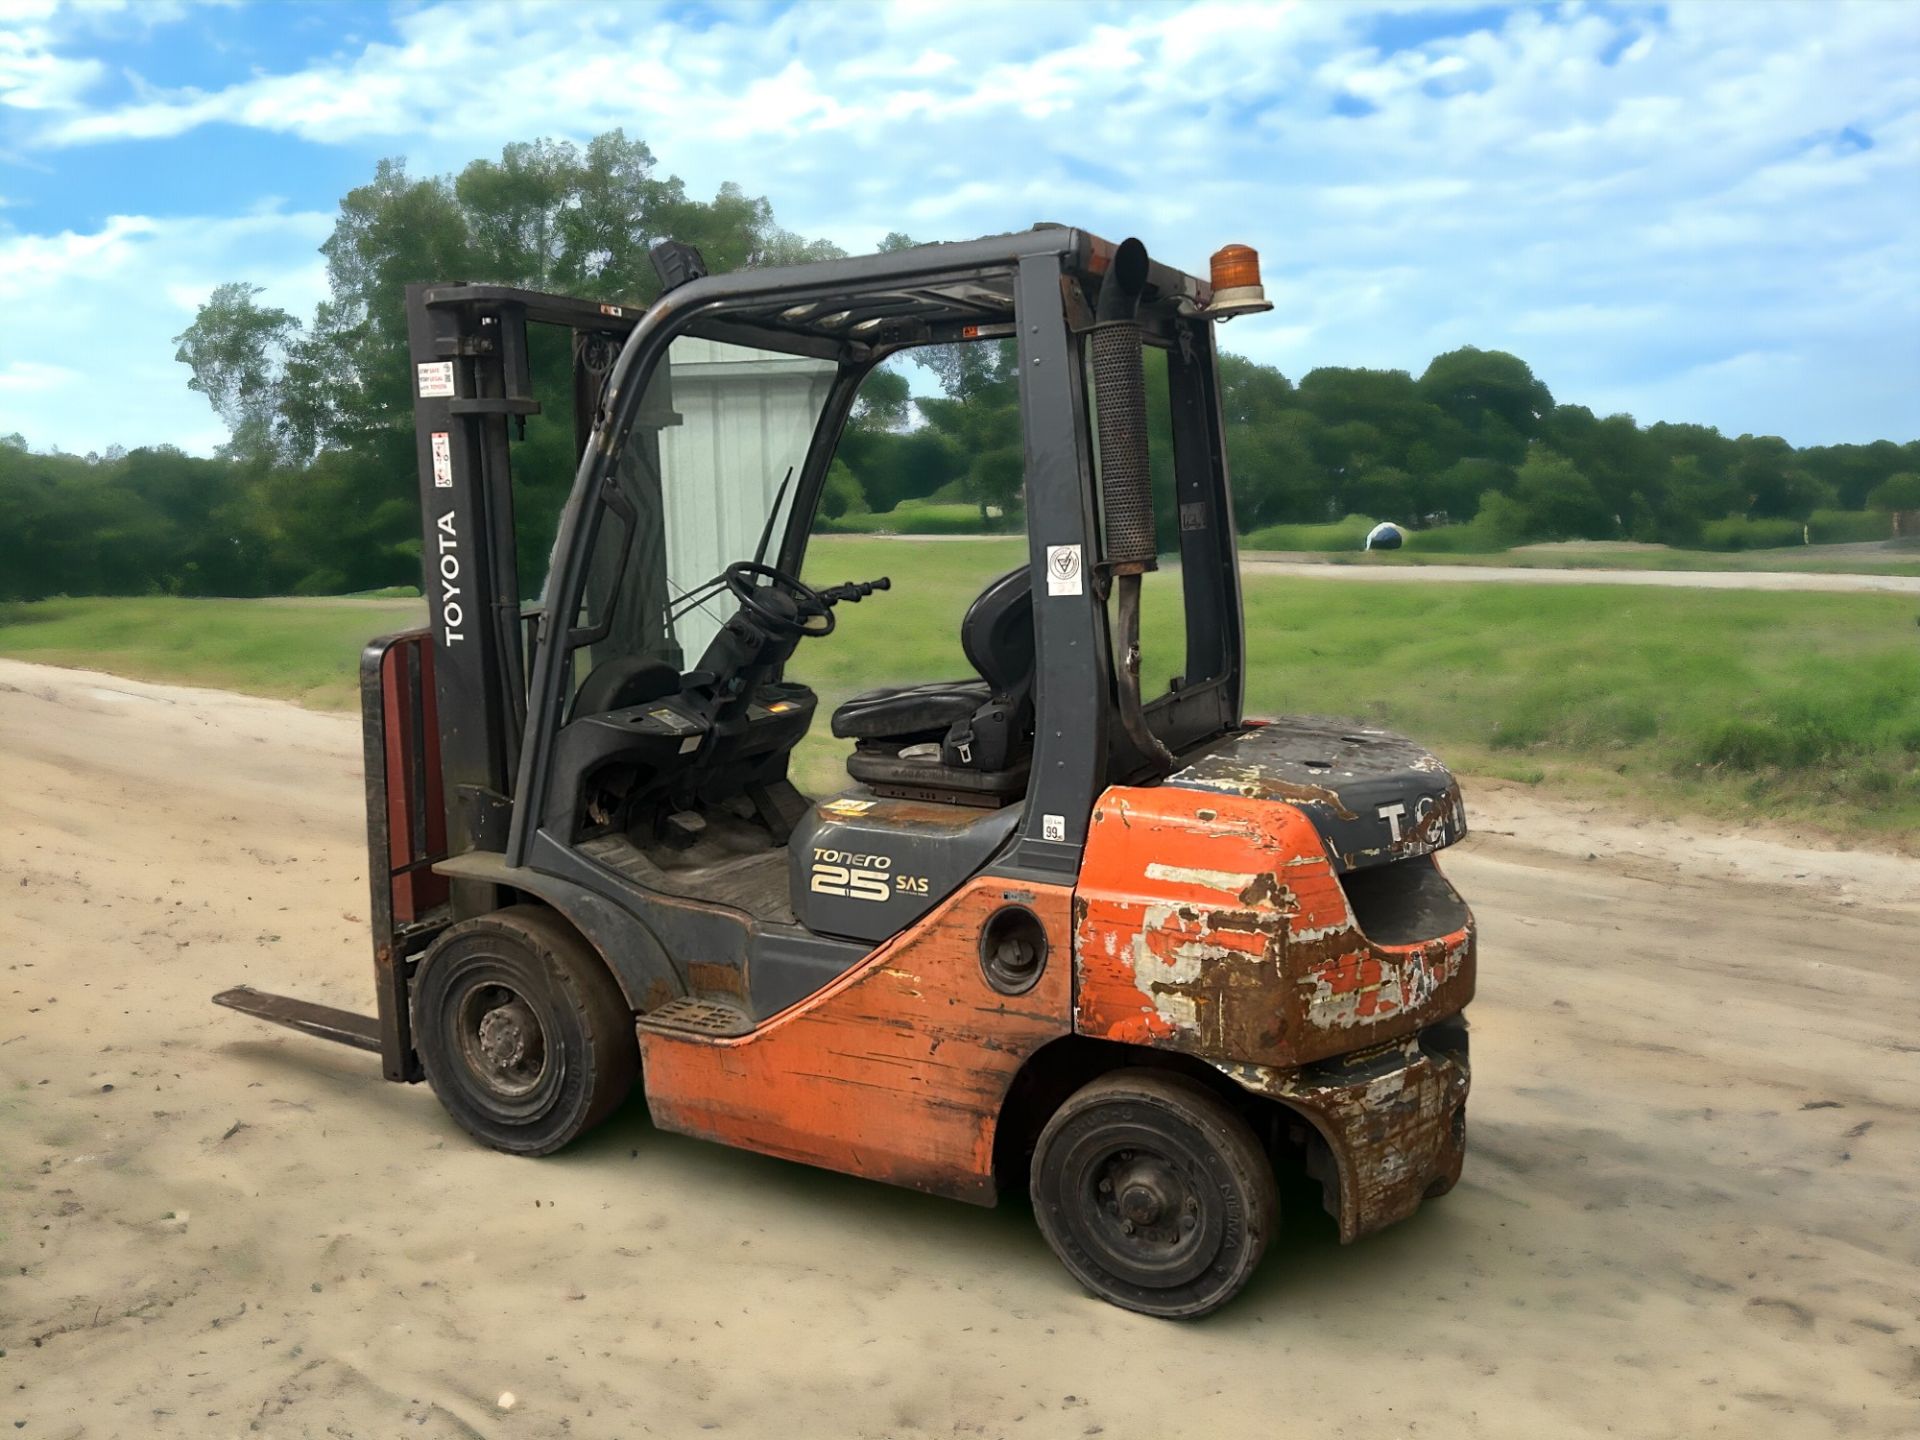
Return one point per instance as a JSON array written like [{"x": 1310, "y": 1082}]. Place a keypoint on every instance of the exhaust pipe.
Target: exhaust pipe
[{"x": 1126, "y": 483}]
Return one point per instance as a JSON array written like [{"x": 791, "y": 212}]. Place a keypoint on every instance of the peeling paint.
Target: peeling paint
[
  {"x": 1281, "y": 975},
  {"x": 1231, "y": 881}
]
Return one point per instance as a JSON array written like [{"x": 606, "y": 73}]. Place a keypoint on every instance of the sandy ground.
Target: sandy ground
[
  {"x": 1688, "y": 1209},
  {"x": 1328, "y": 569}
]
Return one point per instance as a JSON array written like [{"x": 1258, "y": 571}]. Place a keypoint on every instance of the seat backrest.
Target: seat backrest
[{"x": 997, "y": 633}]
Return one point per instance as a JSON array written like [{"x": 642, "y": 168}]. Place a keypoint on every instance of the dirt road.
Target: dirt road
[
  {"x": 1800, "y": 580},
  {"x": 1688, "y": 1209}
]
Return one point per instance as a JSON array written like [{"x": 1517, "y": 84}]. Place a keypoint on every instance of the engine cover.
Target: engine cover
[
  {"x": 866, "y": 867},
  {"x": 1375, "y": 797}
]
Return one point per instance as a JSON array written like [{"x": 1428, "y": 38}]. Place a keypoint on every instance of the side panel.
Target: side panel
[
  {"x": 1215, "y": 925},
  {"x": 867, "y": 867},
  {"x": 896, "y": 1071}
]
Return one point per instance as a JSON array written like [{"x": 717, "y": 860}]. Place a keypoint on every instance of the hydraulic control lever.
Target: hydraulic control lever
[{"x": 854, "y": 590}]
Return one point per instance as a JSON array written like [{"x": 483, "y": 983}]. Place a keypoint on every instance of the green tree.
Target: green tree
[
  {"x": 1772, "y": 483},
  {"x": 235, "y": 348},
  {"x": 1896, "y": 492},
  {"x": 1458, "y": 489},
  {"x": 1494, "y": 395},
  {"x": 1384, "y": 492},
  {"x": 546, "y": 215},
  {"x": 1558, "y": 502}
]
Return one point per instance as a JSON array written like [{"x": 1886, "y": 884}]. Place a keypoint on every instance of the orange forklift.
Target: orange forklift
[{"x": 1130, "y": 951}]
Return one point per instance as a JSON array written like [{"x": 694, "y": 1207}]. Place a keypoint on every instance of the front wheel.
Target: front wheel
[
  {"x": 524, "y": 1036},
  {"x": 1154, "y": 1193}
]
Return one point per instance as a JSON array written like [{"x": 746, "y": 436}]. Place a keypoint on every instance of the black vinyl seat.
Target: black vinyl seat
[
  {"x": 909, "y": 709},
  {"x": 956, "y": 741}
]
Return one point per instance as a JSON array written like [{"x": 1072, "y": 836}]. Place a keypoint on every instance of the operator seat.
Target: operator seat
[{"x": 967, "y": 742}]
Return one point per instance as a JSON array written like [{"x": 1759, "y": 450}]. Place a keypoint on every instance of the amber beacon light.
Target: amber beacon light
[{"x": 1236, "y": 283}]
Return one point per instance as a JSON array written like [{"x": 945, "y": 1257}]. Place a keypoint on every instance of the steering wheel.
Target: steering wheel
[{"x": 816, "y": 615}]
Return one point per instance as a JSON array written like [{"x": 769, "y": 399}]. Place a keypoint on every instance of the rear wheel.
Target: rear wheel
[
  {"x": 1154, "y": 1193},
  {"x": 524, "y": 1036}
]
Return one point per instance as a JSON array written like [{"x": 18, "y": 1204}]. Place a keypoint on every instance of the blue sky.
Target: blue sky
[{"x": 1702, "y": 212}]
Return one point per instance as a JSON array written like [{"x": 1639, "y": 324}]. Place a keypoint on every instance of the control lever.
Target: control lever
[{"x": 854, "y": 590}]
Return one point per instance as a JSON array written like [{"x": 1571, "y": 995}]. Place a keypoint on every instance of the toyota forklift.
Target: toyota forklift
[{"x": 1130, "y": 951}]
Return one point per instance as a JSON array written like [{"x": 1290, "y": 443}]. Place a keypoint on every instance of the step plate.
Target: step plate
[{"x": 714, "y": 1019}]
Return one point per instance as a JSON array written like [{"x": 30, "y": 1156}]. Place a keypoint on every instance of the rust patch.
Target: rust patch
[
  {"x": 1266, "y": 888},
  {"x": 1393, "y": 1127},
  {"x": 707, "y": 978}
]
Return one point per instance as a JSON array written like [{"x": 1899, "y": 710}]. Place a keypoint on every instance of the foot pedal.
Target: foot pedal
[{"x": 713, "y": 1019}]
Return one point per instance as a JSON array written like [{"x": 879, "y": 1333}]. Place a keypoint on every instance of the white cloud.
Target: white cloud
[
  {"x": 1623, "y": 196},
  {"x": 86, "y": 352},
  {"x": 26, "y": 376},
  {"x": 32, "y": 75}
]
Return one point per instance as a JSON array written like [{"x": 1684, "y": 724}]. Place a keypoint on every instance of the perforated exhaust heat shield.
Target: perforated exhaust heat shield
[
  {"x": 1120, "y": 397},
  {"x": 1126, "y": 483}
]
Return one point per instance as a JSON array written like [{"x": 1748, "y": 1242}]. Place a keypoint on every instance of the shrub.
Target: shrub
[
  {"x": 1347, "y": 534},
  {"x": 842, "y": 494},
  {"x": 913, "y": 517},
  {"x": 1503, "y": 519},
  {"x": 322, "y": 582},
  {"x": 1474, "y": 538},
  {"x": 1841, "y": 527},
  {"x": 1741, "y": 532}
]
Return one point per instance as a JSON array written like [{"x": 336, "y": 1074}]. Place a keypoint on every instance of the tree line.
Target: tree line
[
  {"x": 1475, "y": 439},
  {"x": 315, "y": 493}
]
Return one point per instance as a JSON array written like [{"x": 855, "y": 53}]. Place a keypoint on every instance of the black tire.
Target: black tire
[
  {"x": 524, "y": 1036},
  {"x": 1154, "y": 1193}
]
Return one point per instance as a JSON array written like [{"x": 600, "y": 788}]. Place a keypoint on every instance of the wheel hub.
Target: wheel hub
[
  {"x": 506, "y": 1034},
  {"x": 1149, "y": 1211},
  {"x": 1146, "y": 1192},
  {"x": 502, "y": 1039}
]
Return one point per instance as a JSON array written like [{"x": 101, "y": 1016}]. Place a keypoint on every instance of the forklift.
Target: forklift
[{"x": 1128, "y": 951}]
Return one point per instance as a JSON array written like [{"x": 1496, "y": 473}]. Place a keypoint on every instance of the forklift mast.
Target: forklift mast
[
  {"x": 444, "y": 709},
  {"x": 472, "y": 380}
]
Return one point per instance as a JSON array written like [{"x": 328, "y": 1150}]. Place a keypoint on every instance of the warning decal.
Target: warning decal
[
  {"x": 442, "y": 461},
  {"x": 1063, "y": 570},
  {"x": 436, "y": 379}
]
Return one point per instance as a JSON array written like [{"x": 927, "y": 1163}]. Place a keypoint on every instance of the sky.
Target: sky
[{"x": 1688, "y": 212}]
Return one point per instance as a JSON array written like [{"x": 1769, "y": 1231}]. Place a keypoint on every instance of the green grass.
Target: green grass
[
  {"x": 1800, "y": 707},
  {"x": 304, "y": 650},
  {"x": 1797, "y": 706},
  {"x": 1598, "y": 556}
]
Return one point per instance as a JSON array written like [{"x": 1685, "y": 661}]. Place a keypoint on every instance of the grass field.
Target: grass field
[
  {"x": 1817, "y": 559},
  {"x": 291, "y": 649},
  {"x": 1798, "y": 707},
  {"x": 1844, "y": 542}
]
